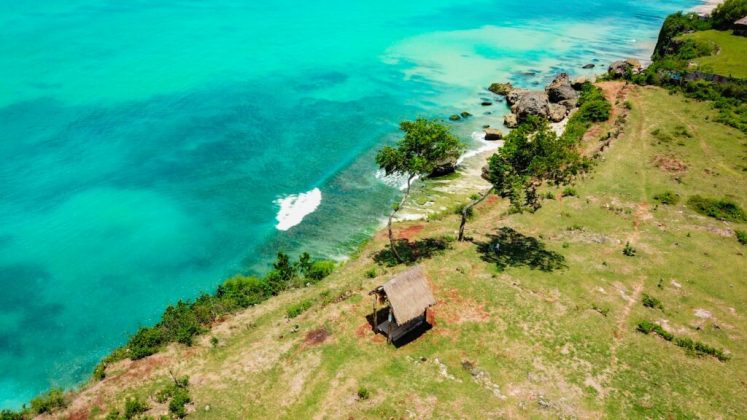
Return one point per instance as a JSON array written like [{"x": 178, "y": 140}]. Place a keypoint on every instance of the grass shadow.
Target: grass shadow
[
  {"x": 411, "y": 252},
  {"x": 509, "y": 248}
]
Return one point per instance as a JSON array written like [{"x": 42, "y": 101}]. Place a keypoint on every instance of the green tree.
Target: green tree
[
  {"x": 531, "y": 155},
  {"x": 728, "y": 12},
  {"x": 426, "y": 144}
]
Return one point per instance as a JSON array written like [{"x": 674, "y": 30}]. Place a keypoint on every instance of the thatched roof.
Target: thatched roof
[
  {"x": 409, "y": 294},
  {"x": 742, "y": 21}
]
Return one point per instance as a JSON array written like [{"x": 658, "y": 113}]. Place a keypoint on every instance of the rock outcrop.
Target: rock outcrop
[
  {"x": 557, "y": 112},
  {"x": 493, "y": 134},
  {"x": 531, "y": 103},
  {"x": 621, "y": 68},
  {"x": 444, "y": 168},
  {"x": 501, "y": 88},
  {"x": 560, "y": 89},
  {"x": 513, "y": 96},
  {"x": 510, "y": 121}
]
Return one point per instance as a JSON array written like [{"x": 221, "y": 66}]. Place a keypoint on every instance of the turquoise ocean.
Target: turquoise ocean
[{"x": 150, "y": 149}]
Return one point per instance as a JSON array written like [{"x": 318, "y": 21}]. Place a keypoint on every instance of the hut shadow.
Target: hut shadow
[
  {"x": 509, "y": 248},
  {"x": 411, "y": 252},
  {"x": 406, "y": 339}
]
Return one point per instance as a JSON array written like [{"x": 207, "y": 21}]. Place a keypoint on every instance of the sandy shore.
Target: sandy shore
[{"x": 706, "y": 7}]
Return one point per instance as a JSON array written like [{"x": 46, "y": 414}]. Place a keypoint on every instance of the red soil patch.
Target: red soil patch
[
  {"x": 80, "y": 414},
  {"x": 491, "y": 200},
  {"x": 410, "y": 232},
  {"x": 669, "y": 164},
  {"x": 363, "y": 330},
  {"x": 455, "y": 309},
  {"x": 317, "y": 336}
]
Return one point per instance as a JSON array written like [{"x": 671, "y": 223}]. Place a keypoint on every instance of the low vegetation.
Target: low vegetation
[
  {"x": 722, "y": 209},
  {"x": 547, "y": 330},
  {"x": 694, "y": 347},
  {"x": 183, "y": 321}
]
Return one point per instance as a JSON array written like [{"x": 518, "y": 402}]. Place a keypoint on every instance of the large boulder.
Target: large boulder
[
  {"x": 511, "y": 121},
  {"x": 532, "y": 103},
  {"x": 513, "y": 96},
  {"x": 444, "y": 167},
  {"x": 501, "y": 88},
  {"x": 493, "y": 134},
  {"x": 557, "y": 112},
  {"x": 622, "y": 67},
  {"x": 579, "y": 82},
  {"x": 560, "y": 89}
]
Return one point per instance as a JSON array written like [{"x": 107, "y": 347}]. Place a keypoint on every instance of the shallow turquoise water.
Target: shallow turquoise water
[{"x": 146, "y": 144}]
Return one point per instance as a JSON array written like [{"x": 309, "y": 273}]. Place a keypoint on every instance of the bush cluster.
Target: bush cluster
[
  {"x": 741, "y": 236},
  {"x": 652, "y": 302},
  {"x": 722, "y": 209},
  {"x": 592, "y": 107},
  {"x": 667, "y": 197},
  {"x": 48, "y": 402},
  {"x": 186, "y": 319},
  {"x": 695, "y": 347},
  {"x": 299, "y": 308},
  {"x": 672, "y": 57},
  {"x": 628, "y": 250}
]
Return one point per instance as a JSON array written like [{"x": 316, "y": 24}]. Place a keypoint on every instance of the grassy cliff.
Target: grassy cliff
[{"x": 548, "y": 326}]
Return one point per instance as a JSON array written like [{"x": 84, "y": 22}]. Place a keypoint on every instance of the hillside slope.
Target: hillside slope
[{"x": 545, "y": 327}]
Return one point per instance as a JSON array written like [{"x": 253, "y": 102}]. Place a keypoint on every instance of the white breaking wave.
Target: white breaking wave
[
  {"x": 294, "y": 207},
  {"x": 485, "y": 146}
]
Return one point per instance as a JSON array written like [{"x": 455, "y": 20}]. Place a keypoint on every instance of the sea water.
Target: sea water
[{"x": 149, "y": 149}]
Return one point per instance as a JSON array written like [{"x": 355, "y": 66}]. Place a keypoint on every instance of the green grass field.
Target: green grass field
[
  {"x": 545, "y": 328},
  {"x": 732, "y": 57}
]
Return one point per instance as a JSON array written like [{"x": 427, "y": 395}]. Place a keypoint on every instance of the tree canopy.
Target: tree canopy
[
  {"x": 425, "y": 145},
  {"x": 532, "y": 154},
  {"x": 728, "y": 12}
]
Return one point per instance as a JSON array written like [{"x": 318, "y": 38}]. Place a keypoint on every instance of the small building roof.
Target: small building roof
[
  {"x": 409, "y": 294},
  {"x": 742, "y": 21}
]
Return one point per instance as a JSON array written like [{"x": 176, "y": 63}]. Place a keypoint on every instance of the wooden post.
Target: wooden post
[{"x": 389, "y": 326}]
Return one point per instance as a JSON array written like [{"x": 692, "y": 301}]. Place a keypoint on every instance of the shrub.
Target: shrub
[
  {"x": 134, "y": 407},
  {"x": 550, "y": 195},
  {"x": 696, "y": 347},
  {"x": 628, "y": 250},
  {"x": 363, "y": 393},
  {"x": 628, "y": 105},
  {"x": 48, "y": 402},
  {"x": 178, "y": 402},
  {"x": 645, "y": 327},
  {"x": 99, "y": 372},
  {"x": 722, "y": 209},
  {"x": 371, "y": 273},
  {"x": 243, "y": 291},
  {"x": 319, "y": 270},
  {"x": 741, "y": 236},
  {"x": 667, "y": 197},
  {"x": 299, "y": 308},
  {"x": 652, "y": 302},
  {"x": 602, "y": 310},
  {"x": 113, "y": 414},
  {"x": 569, "y": 192},
  {"x": 214, "y": 341},
  {"x": 10, "y": 415}
]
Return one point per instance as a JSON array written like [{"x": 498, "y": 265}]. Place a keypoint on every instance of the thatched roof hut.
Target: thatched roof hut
[
  {"x": 409, "y": 297},
  {"x": 740, "y": 27}
]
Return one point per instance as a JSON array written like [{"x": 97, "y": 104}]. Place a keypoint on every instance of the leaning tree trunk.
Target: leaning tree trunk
[
  {"x": 466, "y": 210},
  {"x": 391, "y": 217}
]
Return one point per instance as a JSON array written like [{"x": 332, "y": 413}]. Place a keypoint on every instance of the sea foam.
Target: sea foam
[{"x": 294, "y": 207}]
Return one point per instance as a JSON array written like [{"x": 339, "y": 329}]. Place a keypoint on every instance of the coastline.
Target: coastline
[
  {"x": 469, "y": 178},
  {"x": 707, "y": 7}
]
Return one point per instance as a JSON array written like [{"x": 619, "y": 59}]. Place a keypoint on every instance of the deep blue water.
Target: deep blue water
[{"x": 146, "y": 147}]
